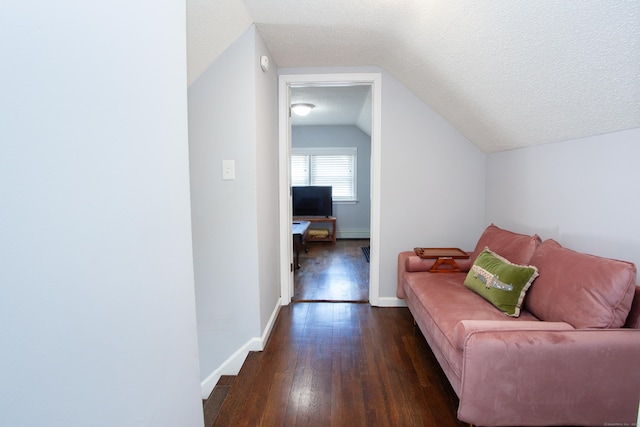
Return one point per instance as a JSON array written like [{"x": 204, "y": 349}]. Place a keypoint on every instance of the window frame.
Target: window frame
[{"x": 331, "y": 151}]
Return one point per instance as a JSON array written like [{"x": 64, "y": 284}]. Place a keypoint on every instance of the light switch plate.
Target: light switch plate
[{"x": 228, "y": 169}]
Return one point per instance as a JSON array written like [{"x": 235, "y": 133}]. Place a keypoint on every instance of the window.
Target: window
[{"x": 326, "y": 166}]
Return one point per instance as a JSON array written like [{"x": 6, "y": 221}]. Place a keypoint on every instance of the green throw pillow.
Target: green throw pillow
[{"x": 500, "y": 282}]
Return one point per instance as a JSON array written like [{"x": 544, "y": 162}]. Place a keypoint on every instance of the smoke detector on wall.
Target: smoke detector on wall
[{"x": 264, "y": 63}]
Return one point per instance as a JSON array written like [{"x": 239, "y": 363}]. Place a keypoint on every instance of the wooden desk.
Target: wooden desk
[
  {"x": 299, "y": 230},
  {"x": 331, "y": 220}
]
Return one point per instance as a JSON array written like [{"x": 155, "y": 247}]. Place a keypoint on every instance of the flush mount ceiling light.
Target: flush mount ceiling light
[{"x": 302, "y": 109}]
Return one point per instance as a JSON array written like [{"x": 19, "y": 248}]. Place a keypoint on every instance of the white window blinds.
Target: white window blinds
[
  {"x": 300, "y": 170},
  {"x": 326, "y": 166}
]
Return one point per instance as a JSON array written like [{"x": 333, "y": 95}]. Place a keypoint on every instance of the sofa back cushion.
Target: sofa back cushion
[
  {"x": 517, "y": 248},
  {"x": 583, "y": 290}
]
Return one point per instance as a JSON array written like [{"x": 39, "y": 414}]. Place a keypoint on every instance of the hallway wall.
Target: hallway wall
[
  {"x": 97, "y": 310},
  {"x": 232, "y": 116}
]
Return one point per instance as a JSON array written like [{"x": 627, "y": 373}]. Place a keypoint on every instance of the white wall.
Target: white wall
[
  {"x": 432, "y": 181},
  {"x": 97, "y": 312},
  {"x": 267, "y": 170},
  {"x": 235, "y": 231},
  {"x": 366, "y": 116},
  {"x": 583, "y": 193},
  {"x": 352, "y": 220},
  {"x": 432, "y": 178}
]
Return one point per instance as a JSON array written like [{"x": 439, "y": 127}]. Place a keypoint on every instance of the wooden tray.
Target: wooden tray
[{"x": 434, "y": 253}]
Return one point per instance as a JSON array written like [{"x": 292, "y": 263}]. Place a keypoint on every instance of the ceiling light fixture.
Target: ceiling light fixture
[{"x": 302, "y": 109}]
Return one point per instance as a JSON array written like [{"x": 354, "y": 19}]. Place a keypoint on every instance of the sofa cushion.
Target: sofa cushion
[
  {"x": 584, "y": 290},
  {"x": 499, "y": 281},
  {"x": 438, "y": 301},
  {"x": 517, "y": 248}
]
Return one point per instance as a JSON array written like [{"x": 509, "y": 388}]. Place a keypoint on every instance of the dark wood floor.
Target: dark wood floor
[
  {"x": 341, "y": 364},
  {"x": 333, "y": 272}
]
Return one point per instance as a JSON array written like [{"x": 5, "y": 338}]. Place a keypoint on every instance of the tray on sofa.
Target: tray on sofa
[{"x": 434, "y": 253}]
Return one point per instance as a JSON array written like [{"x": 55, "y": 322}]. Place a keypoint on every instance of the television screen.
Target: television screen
[{"x": 312, "y": 201}]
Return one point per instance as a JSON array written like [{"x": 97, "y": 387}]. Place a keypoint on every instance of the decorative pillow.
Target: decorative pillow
[
  {"x": 517, "y": 248},
  {"x": 584, "y": 290},
  {"x": 500, "y": 282}
]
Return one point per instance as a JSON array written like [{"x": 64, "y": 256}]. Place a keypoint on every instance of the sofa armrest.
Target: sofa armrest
[
  {"x": 402, "y": 267},
  {"x": 466, "y": 327},
  {"x": 577, "y": 377},
  {"x": 408, "y": 261}
]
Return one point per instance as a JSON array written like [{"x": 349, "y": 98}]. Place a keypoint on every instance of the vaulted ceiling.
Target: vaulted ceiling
[
  {"x": 505, "y": 73},
  {"x": 337, "y": 105}
]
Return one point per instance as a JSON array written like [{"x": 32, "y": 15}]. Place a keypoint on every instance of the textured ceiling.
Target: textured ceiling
[
  {"x": 212, "y": 25},
  {"x": 505, "y": 73}
]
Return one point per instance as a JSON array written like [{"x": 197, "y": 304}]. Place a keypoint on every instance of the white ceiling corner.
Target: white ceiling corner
[
  {"x": 212, "y": 26},
  {"x": 505, "y": 73}
]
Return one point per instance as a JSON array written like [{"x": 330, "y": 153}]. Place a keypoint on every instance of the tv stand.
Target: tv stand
[{"x": 320, "y": 219}]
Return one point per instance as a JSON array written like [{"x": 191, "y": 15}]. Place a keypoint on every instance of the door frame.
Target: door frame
[{"x": 285, "y": 83}]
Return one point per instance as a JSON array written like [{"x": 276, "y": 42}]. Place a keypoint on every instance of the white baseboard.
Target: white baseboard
[
  {"x": 231, "y": 366},
  {"x": 269, "y": 327},
  {"x": 391, "y": 302},
  {"x": 234, "y": 363},
  {"x": 353, "y": 234}
]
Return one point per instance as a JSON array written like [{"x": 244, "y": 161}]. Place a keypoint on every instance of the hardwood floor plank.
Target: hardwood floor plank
[
  {"x": 311, "y": 388},
  {"x": 212, "y": 405},
  {"x": 337, "y": 364},
  {"x": 336, "y": 272},
  {"x": 340, "y": 364}
]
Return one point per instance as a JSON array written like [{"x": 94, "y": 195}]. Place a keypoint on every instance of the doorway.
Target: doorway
[
  {"x": 331, "y": 148},
  {"x": 287, "y": 84}
]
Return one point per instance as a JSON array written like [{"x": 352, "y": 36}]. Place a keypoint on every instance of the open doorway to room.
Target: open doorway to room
[
  {"x": 338, "y": 262},
  {"x": 331, "y": 191}
]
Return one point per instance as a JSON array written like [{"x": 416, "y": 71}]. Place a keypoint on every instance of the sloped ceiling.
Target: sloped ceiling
[
  {"x": 505, "y": 73},
  {"x": 337, "y": 105},
  {"x": 212, "y": 26}
]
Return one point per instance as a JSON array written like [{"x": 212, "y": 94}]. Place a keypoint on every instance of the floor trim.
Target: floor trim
[
  {"x": 350, "y": 301},
  {"x": 391, "y": 302},
  {"x": 232, "y": 365}
]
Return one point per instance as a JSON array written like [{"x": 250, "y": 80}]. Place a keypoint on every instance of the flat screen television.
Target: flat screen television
[{"x": 312, "y": 201}]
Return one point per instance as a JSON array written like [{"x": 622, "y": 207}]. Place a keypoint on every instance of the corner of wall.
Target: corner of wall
[{"x": 234, "y": 363}]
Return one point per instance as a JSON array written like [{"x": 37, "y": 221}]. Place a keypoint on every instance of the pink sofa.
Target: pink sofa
[{"x": 572, "y": 357}]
